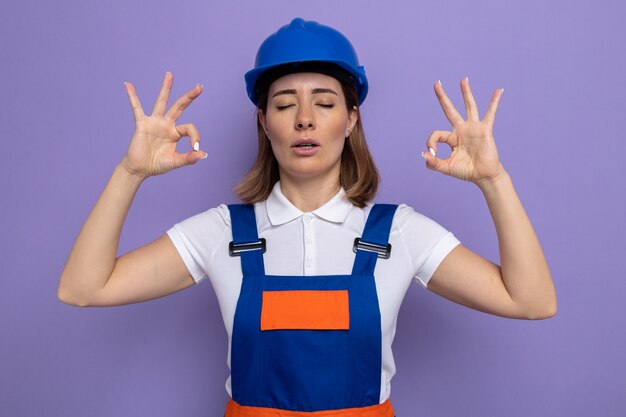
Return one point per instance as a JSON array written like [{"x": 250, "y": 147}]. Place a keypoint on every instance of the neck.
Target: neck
[{"x": 308, "y": 195}]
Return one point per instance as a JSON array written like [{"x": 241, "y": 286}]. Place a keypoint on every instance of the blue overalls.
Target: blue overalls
[{"x": 307, "y": 345}]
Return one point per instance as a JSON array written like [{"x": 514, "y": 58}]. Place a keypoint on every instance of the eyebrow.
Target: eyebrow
[{"x": 314, "y": 91}]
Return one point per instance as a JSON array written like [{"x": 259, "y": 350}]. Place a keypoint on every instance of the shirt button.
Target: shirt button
[
  {"x": 307, "y": 219},
  {"x": 308, "y": 263}
]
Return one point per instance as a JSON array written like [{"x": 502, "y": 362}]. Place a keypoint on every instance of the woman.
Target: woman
[{"x": 303, "y": 339}]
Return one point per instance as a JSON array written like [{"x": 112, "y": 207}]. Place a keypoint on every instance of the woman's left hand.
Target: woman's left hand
[{"x": 474, "y": 155}]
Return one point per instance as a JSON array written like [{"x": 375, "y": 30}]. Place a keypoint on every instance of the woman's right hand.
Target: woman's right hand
[{"x": 152, "y": 149}]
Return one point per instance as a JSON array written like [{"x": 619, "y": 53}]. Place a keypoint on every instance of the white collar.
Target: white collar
[{"x": 280, "y": 210}]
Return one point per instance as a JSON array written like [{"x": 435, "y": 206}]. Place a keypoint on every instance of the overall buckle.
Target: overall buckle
[
  {"x": 235, "y": 249},
  {"x": 382, "y": 251}
]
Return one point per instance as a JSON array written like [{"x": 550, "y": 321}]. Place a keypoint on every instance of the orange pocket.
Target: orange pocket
[{"x": 305, "y": 309}]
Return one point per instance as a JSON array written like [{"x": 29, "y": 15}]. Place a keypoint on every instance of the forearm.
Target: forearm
[
  {"x": 93, "y": 255},
  {"x": 524, "y": 269}
]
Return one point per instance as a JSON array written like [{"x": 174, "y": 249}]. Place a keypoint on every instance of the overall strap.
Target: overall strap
[
  {"x": 375, "y": 240},
  {"x": 246, "y": 242}
]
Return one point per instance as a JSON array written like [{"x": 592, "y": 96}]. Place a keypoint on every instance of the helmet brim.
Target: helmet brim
[{"x": 257, "y": 74}]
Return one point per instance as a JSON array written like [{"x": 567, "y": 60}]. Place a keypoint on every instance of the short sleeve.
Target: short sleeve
[
  {"x": 426, "y": 241},
  {"x": 198, "y": 237}
]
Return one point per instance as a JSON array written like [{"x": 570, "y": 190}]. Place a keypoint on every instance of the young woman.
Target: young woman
[{"x": 309, "y": 274}]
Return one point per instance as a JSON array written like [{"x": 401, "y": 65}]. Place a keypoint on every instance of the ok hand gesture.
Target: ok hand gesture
[
  {"x": 474, "y": 155},
  {"x": 152, "y": 149}
]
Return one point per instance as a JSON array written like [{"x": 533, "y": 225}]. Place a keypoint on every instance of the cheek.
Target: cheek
[
  {"x": 275, "y": 127},
  {"x": 338, "y": 127}
]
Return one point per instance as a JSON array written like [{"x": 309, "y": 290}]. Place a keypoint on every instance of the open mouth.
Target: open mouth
[
  {"x": 306, "y": 143},
  {"x": 305, "y": 147}
]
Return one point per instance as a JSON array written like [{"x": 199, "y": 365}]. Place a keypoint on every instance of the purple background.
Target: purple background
[{"x": 66, "y": 122}]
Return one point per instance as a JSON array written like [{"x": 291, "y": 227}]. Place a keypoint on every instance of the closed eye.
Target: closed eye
[
  {"x": 283, "y": 107},
  {"x": 327, "y": 106}
]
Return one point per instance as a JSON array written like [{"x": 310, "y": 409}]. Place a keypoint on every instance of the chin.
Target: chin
[{"x": 309, "y": 172}]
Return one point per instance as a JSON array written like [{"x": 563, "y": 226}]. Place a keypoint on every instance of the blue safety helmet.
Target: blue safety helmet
[{"x": 304, "y": 46}]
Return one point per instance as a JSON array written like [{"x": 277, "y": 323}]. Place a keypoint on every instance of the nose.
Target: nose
[{"x": 304, "y": 118}]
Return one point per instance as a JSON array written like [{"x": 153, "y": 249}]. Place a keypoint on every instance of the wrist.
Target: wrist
[
  {"x": 493, "y": 182},
  {"x": 129, "y": 173}
]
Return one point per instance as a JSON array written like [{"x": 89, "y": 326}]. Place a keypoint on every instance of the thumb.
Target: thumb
[
  {"x": 189, "y": 158},
  {"x": 432, "y": 161}
]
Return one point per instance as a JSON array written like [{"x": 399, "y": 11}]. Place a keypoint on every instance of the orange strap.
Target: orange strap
[
  {"x": 379, "y": 410},
  {"x": 305, "y": 309}
]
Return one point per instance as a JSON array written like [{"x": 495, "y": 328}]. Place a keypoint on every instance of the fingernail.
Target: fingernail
[
  {"x": 168, "y": 72},
  {"x": 467, "y": 79},
  {"x": 439, "y": 82},
  {"x": 125, "y": 82},
  {"x": 199, "y": 85},
  {"x": 501, "y": 90},
  {"x": 423, "y": 156},
  {"x": 432, "y": 151},
  {"x": 196, "y": 146},
  {"x": 205, "y": 155}
]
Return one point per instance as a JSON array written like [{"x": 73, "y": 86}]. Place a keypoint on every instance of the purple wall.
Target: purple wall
[{"x": 66, "y": 121}]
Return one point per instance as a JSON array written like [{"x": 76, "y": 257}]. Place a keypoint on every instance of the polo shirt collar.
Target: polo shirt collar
[{"x": 280, "y": 210}]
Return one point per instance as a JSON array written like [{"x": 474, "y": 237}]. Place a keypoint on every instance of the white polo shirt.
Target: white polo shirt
[{"x": 315, "y": 243}]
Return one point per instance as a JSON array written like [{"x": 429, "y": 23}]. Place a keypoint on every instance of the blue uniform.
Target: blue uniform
[{"x": 307, "y": 344}]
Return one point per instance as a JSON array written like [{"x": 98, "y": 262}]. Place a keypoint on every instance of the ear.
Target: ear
[
  {"x": 262, "y": 121},
  {"x": 352, "y": 118}
]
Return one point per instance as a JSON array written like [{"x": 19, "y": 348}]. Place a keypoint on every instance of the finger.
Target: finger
[
  {"x": 189, "y": 158},
  {"x": 437, "y": 136},
  {"x": 436, "y": 164},
  {"x": 134, "y": 101},
  {"x": 181, "y": 104},
  {"x": 190, "y": 130},
  {"x": 490, "y": 115},
  {"x": 448, "y": 108},
  {"x": 164, "y": 95},
  {"x": 470, "y": 104}
]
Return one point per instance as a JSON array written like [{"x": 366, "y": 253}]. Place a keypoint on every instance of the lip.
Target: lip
[
  {"x": 305, "y": 141},
  {"x": 305, "y": 151}
]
